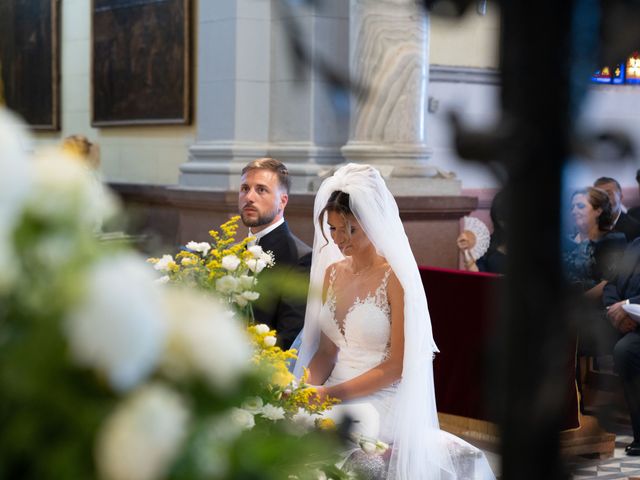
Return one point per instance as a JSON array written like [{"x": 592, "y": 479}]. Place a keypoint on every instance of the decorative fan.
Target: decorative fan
[{"x": 477, "y": 234}]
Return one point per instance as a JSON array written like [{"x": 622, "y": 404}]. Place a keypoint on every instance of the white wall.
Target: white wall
[{"x": 131, "y": 154}]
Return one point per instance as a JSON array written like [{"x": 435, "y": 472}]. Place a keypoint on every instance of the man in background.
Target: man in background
[
  {"x": 622, "y": 223},
  {"x": 262, "y": 199},
  {"x": 634, "y": 212}
]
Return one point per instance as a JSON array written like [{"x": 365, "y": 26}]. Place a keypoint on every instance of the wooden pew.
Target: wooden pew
[{"x": 462, "y": 307}]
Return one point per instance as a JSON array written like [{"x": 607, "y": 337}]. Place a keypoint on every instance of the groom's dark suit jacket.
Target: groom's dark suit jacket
[
  {"x": 278, "y": 306},
  {"x": 626, "y": 284}
]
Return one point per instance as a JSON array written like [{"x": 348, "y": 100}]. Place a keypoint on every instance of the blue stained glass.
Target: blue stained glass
[{"x": 618, "y": 74}]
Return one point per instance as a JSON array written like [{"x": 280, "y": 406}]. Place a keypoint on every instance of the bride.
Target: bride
[{"x": 367, "y": 340}]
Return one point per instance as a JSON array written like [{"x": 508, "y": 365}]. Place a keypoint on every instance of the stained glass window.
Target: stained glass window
[{"x": 627, "y": 72}]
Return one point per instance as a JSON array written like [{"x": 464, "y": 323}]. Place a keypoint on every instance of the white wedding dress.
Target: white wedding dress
[{"x": 361, "y": 329}]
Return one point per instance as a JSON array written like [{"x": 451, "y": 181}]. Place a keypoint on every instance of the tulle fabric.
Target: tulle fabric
[{"x": 420, "y": 449}]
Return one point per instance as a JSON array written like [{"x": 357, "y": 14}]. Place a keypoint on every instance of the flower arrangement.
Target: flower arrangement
[
  {"x": 279, "y": 395},
  {"x": 224, "y": 266},
  {"x": 105, "y": 373}
]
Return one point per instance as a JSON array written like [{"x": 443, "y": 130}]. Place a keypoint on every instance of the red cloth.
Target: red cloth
[{"x": 463, "y": 309}]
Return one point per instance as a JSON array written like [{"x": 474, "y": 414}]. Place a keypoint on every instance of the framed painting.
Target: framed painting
[
  {"x": 30, "y": 61},
  {"x": 141, "y": 62}
]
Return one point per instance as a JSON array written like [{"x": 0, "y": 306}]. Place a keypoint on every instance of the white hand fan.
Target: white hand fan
[{"x": 478, "y": 235}]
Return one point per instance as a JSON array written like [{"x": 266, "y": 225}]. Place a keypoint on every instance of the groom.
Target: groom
[{"x": 263, "y": 196}]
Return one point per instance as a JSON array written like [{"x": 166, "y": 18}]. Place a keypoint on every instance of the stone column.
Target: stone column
[
  {"x": 254, "y": 101},
  {"x": 389, "y": 55}
]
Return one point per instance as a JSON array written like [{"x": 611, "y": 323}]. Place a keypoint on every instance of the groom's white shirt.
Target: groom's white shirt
[{"x": 262, "y": 233}]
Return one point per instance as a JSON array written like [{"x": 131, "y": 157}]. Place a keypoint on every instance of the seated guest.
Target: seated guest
[
  {"x": 621, "y": 221},
  {"x": 626, "y": 353},
  {"x": 634, "y": 212},
  {"x": 495, "y": 259},
  {"x": 591, "y": 254}
]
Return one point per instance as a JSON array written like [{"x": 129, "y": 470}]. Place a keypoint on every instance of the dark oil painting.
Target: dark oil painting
[
  {"x": 141, "y": 62},
  {"x": 29, "y": 60}
]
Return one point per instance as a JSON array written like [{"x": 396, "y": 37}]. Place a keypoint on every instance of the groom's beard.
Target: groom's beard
[{"x": 262, "y": 218}]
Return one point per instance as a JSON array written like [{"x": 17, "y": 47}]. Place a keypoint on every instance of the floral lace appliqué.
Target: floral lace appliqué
[{"x": 377, "y": 298}]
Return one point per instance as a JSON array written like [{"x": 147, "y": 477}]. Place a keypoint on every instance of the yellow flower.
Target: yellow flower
[
  {"x": 282, "y": 378},
  {"x": 325, "y": 424}
]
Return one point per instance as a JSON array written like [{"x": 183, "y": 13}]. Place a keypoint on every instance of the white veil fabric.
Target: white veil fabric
[{"x": 419, "y": 449}]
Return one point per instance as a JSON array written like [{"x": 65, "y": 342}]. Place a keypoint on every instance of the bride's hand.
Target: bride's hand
[{"x": 320, "y": 395}]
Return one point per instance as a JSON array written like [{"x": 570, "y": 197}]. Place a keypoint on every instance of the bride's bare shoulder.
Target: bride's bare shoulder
[{"x": 338, "y": 266}]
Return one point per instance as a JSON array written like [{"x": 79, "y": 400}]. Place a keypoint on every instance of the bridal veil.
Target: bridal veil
[{"x": 420, "y": 449}]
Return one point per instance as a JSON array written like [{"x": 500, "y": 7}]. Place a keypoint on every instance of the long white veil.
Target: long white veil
[{"x": 419, "y": 451}]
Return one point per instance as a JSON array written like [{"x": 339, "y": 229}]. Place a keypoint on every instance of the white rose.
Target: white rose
[
  {"x": 141, "y": 439},
  {"x": 118, "y": 326},
  {"x": 262, "y": 329},
  {"x": 271, "y": 412},
  {"x": 256, "y": 265},
  {"x": 240, "y": 300},
  {"x": 204, "y": 338},
  {"x": 251, "y": 296},
  {"x": 253, "y": 404},
  {"x": 267, "y": 257},
  {"x": 66, "y": 189},
  {"x": 269, "y": 340},
  {"x": 242, "y": 418},
  {"x": 162, "y": 265},
  {"x": 304, "y": 420},
  {"x": 247, "y": 282},
  {"x": 202, "y": 247},
  {"x": 230, "y": 262},
  {"x": 227, "y": 284},
  {"x": 256, "y": 251},
  {"x": 368, "y": 447}
]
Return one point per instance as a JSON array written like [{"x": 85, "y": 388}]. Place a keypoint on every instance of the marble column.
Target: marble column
[
  {"x": 389, "y": 56},
  {"x": 253, "y": 100}
]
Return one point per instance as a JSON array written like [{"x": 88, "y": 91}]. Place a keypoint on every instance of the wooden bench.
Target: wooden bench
[{"x": 462, "y": 307}]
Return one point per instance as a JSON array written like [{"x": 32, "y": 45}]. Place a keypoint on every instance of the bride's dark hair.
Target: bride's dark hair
[{"x": 338, "y": 202}]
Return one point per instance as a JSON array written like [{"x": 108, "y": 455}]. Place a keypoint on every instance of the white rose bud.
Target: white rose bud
[
  {"x": 202, "y": 247},
  {"x": 251, "y": 296},
  {"x": 256, "y": 265},
  {"x": 256, "y": 251},
  {"x": 267, "y": 258},
  {"x": 246, "y": 282},
  {"x": 230, "y": 262},
  {"x": 272, "y": 412},
  {"x": 226, "y": 284},
  {"x": 240, "y": 300},
  {"x": 262, "y": 329},
  {"x": 368, "y": 447},
  {"x": 270, "y": 340},
  {"x": 242, "y": 418},
  {"x": 253, "y": 404},
  {"x": 163, "y": 264}
]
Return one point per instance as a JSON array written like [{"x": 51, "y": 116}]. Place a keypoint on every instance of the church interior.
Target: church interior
[{"x": 482, "y": 117}]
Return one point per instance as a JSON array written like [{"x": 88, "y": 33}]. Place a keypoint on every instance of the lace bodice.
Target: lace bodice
[{"x": 360, "y": 326}]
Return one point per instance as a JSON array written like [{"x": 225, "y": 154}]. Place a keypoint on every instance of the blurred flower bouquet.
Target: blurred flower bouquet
[
  {"x": 105, "y": 373},
  {"x": 224, "y": 266}
]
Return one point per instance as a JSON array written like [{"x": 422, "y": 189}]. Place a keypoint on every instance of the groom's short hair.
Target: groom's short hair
[{"x": 273, "y": 165}]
